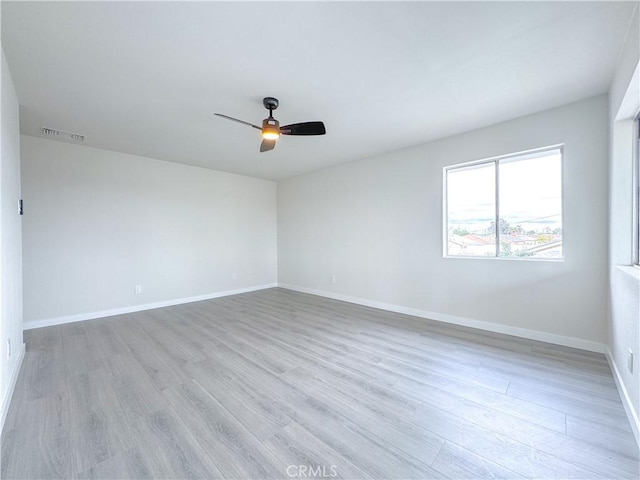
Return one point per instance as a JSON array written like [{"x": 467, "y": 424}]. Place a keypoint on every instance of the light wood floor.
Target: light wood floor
[{"x": 277, "y": 384}]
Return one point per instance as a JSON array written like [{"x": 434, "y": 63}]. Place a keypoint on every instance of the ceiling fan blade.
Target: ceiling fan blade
[
  {"x": 305, "y": 128},
  {"x": 267, "y": 145},
  {"x": 239, "y": 121}
]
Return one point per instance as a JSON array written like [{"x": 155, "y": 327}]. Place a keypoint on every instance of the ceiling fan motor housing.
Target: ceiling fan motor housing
[
  {"x": 270, "y": 123},
  {"x": 270, "y": 128}
]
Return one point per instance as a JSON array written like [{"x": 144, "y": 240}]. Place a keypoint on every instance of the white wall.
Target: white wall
[
  {"x": 624, "y": 315},
  {"x": 10, "y": 241},
  {"x": 376, "y": 224},
  {"x": 97, "y": 223}
]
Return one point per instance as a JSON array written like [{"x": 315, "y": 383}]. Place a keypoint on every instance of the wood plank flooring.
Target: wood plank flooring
[{"x": 278, "y": 384}]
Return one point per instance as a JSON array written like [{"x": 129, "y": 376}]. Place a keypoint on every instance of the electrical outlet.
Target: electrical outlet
[
  {"x": 332, "y": 279},
  {"x": 8, "y": 348},
  {"x": 137, "y": 289},
  {"x": 630, "y": 361}
]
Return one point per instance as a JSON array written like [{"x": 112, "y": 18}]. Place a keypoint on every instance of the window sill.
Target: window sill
[
  {"x": 632, "y": 270},
  {"x": 514, "y": 259}
]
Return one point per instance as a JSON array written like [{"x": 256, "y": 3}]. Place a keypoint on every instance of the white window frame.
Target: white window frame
[
  {"x": 636, "y": 191},
  {"x": 535, "y": 152}
]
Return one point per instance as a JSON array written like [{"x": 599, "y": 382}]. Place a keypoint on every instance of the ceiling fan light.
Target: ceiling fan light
[
  {"x": 269, "y": 135},
  {"x": 270, "y": 129}
]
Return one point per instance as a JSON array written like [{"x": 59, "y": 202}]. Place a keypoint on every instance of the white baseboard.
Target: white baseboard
[
  {"x": 632, "y": 415},
  {"x": 6, "y": 401},
  {"x": 466, "y": 322},
  {"x": 47, "y": 322}
]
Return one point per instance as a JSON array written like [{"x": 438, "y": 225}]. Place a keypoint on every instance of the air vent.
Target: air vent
[{"x": 50, "y": 132}]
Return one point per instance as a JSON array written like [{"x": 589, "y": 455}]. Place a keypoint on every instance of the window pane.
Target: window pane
[
  {"x": 471, "y": 211},
  {"x": 530, "y": 196}
]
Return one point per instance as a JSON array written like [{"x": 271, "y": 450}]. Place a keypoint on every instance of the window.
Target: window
[{"x": 507, "y": 207}]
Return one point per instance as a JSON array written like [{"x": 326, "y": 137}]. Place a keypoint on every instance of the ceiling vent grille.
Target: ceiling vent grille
[{"x": 50, "y": 132}]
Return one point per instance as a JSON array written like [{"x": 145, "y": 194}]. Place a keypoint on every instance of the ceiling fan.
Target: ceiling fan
[{"x": 271, "y": 129}]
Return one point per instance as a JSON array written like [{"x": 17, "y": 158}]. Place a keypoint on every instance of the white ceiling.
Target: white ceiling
[{"x": 145, "y": 78}]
